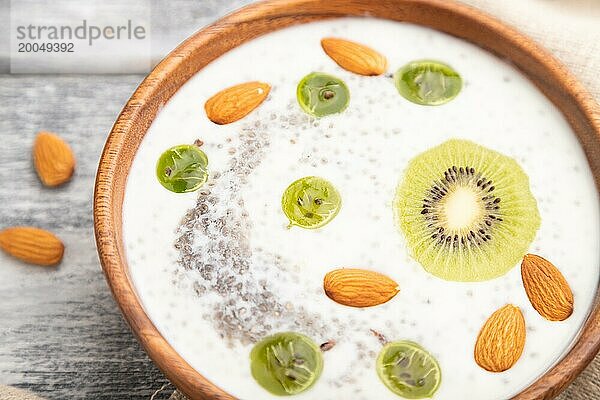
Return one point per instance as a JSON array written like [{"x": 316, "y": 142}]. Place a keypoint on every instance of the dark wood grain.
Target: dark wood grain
[{"x": 551, "y": 77}]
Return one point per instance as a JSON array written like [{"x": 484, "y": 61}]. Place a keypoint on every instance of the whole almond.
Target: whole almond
[
  {"x": 53, "y": 159},
  {"x": 547, "y": 289},
  {"x": 355, "y": 57},
  {"x": 358, "y": 287},
  {"x": 234, "y": 103},
  {"x": 501, "y": 340},
  {"x": 32, "y": 245}
]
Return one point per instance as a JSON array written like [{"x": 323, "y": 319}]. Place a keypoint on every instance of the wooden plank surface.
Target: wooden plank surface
[{"x": 61, "y": 334}]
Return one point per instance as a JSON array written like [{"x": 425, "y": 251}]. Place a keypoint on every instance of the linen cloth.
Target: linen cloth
[{"x": 11, "y": 393}]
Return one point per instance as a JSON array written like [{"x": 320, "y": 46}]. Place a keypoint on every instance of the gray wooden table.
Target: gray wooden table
[{"x": 61, "y": 334}]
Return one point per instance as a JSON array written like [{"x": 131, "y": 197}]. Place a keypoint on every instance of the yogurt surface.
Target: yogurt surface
[{"x": 192, "y": 257}]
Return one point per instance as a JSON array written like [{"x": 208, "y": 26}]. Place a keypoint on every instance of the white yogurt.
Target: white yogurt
[{"x": 363, "y": 151}]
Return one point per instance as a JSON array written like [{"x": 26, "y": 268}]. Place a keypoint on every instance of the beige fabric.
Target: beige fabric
[
  {"x": 570, "y": 29},
  {"x": 177, "y": 396},
  {"x": 10, "y": 393}
]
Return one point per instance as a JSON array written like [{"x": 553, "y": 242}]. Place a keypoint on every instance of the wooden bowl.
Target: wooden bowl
[{"x": 206, "y": 45}]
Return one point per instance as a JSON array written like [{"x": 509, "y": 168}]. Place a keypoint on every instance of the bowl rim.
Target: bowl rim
[{"x": 251, "y": 21}]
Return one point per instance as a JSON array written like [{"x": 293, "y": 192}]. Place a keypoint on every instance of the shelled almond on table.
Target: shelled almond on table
[
  {"x": 53, "y": 159},
  {"x": 32, "y": 245},
  {"x": 54, "y": 163}
]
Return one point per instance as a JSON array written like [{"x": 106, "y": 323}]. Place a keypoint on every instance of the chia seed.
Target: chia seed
[{"x": 215, "y": 252}]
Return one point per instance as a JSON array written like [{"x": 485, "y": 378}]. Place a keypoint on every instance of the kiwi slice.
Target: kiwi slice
[
  {"x": 408, "y": 370},
  {"x": 286, "y": 363},
  {"x": 466, "y": 211}
]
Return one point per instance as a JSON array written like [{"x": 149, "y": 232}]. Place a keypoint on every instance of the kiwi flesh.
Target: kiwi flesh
[{"x": 466, "y": 211}]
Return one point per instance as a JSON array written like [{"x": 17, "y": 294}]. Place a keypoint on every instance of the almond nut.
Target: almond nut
[
  {"x": 53, "y": 159},
  {"x": 501, "y": 340},
  {"x": 32, "y": 245},
  {"x": 547, "y": 289},
  {"x": 234, "y": 103},
  {"x": 355, "y": 57},
  {"x": 358, "y": 287}
]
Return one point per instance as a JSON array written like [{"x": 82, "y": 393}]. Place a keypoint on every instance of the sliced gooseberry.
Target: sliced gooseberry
[
  {"x": 286, "y": 363},
  {"x": 428, "y": 82},
  {"x": 408, "y": 370},
  {"x": 320, "y": 94},
  {"x": 182, "y": 168},
  {"x": 311, "y": 202}
]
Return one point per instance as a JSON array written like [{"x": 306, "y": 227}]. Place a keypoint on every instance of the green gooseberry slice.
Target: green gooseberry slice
[
  {"x": 320, "y": 94},
  {"x": 408, "y": 370},
  {"x": 286, "y": 363},
  {"x": 311, "y": 202},
  {"x": 182, "y": 168},
  {"x": 428, "y": 82}
]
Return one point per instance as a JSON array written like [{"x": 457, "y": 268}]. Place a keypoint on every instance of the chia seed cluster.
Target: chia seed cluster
[{"x": 214, "y": 249}]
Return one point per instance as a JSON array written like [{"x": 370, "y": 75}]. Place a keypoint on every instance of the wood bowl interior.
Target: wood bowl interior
[{"x": 252, "y": 21}]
